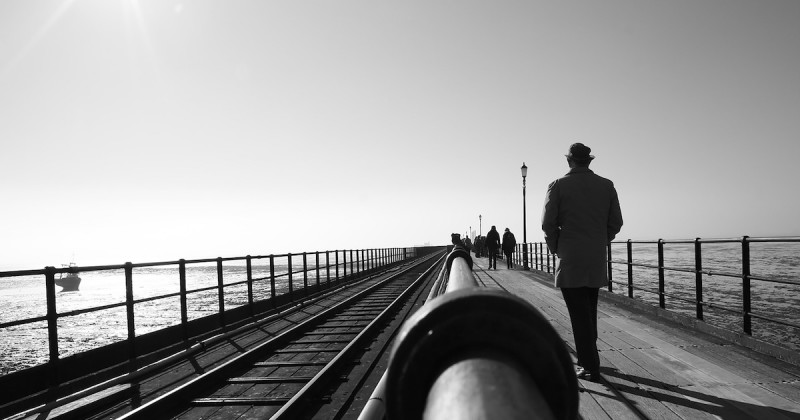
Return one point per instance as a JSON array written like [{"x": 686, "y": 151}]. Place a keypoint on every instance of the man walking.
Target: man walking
[
  {"x": 493, "y": 245},
  {"x": 509, "y": 243},
  {"x": 581, "y": 216}
]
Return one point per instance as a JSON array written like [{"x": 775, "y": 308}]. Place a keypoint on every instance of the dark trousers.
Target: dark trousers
[
  {"x": 493, "y": 258},
  {"x": 582, "y": 306},
  {"x": 509, "y": 264}
]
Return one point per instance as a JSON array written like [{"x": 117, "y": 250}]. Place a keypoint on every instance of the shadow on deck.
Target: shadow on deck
[{"x": 655, "y": 368}]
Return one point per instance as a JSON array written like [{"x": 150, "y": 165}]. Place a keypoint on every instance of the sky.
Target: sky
[{"x": 152, "y": 130}]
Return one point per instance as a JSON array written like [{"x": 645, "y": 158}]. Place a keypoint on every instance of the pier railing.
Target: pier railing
[
  {"x": 289, "y": 278},
  {"x": 474, "y": 352},
  {"x": 697, "y": 273}
]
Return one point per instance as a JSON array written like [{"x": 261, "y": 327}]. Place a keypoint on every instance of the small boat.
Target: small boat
[{"x": 70, "y": 281}]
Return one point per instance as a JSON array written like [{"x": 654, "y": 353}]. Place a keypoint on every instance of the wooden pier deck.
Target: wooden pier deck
[{"x": 656, "y": 369}]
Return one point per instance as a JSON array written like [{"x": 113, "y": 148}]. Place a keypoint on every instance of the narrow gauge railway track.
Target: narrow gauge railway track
[{"x": 294, "y": 373}]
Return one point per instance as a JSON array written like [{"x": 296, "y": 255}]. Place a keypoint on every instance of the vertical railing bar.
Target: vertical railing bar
[
  {"x": 290, "y": 276},
  {"x": 610, "y": 269},
  {"x": 698, "y": 278},
  {"x": 316, "y": 254},
  {"x": 630, "y": 268},
  {"x": 327, "y": 269},
  {"x": 344, "y": 265},
  {"x": 305, "y": 274},
  {"x": 336, "y": 260},
  {"x": 249, "y": 261},
  {"x": 661, "y": 297},
  {"x": 131, "y": 319},
  {"x": 352, "y": 272},
  {"x": 272, "y": 280},
  {"x": 221, "y": 292},
  {"x": 548, "y": 260},
  {"x": 184, "y": 303},
  {"x": 542, "y": 252},
  {"x": 746, "y": 286},
  {"x": 52, "y": 323}
]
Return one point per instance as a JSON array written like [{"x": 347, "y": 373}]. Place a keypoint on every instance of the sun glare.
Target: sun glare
[{"x": 38, "y": 35}]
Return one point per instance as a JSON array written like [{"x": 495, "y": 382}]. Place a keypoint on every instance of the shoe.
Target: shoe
[{"x": 582, "y": 373}]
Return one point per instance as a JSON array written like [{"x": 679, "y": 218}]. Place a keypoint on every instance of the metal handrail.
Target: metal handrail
[
  {"x": 364, "y": 261},
  {"x": 474, "y": 352}
]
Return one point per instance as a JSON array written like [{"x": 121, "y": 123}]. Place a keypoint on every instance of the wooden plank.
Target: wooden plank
[
  {"x": 766, "y": 404},
  {"x": 600, "y": 401},
  {"x": 641, "y": 399}
]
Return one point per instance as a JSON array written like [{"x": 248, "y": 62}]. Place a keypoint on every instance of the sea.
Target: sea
[
  {"x": 24, "y": 297},
  {"x": 775, "y": 299}
]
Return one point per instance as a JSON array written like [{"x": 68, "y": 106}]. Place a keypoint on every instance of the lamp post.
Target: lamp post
[
  {"x": 524, "y": 221},
  {"x": 480, "y": 226}
]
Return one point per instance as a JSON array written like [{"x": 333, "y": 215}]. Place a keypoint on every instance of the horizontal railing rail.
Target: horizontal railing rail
[
  {"x": 474, "y": 352},
  {"x": 287, "y": 275},
  {"x": 736, "y": 264}
]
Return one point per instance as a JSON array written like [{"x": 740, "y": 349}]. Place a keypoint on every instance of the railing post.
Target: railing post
[
  {"x": 746, "y": 285},
  {"x": 542, "y": 250},
  {"x": 610, "y": 269},
  {"x": 249, "y": 261},
  {"x": 336, "y": 260},
  {"x": 327, "y": 269},
  {"x": 184, "y": 303},
  {"x": 344, "y": 265},
  {"x": 272, "y": 279},
  {"x": 352, "y": 272},
  {"x": 221, "y": 292},
  {"x": 305, "y": 274},
  {"x": 661, "y": 297},
  {"x": 290, "y": 277},
  {"x": 698, "y": 278},
  {"x": 316, "y": 255},
  {"x": 548, "y": 260},
  {"x": 630, "y": 268},
  {"x": 52, "y": 322},
  {"x": 130, "y": 315}
]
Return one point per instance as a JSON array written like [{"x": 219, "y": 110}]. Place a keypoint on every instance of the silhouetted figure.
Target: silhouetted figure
[
  {"x": 468, "y": 244},
  {"x": 456, "y": 239},
  {"x": 493, "y": 246},
  {"x": 479, "y": 246},
  {"x": 581, "y": 216},
  {"x": 509, "y": 243}
]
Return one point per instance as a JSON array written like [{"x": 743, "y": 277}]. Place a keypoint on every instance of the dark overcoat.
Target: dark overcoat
[{"x": 581, "y": 216}]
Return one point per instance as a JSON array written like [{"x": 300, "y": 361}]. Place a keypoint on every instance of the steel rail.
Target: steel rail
[
  {"x": 195, "y": 349},
  {"x": 181, "y": 396},
  {"x": 292, "y": 408}
]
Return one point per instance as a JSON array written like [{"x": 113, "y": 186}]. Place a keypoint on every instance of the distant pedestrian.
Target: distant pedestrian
[
  {"x": 509, "y": 243},
  {"x": 492, "y": 244},
  {"x": 468, "y": 244},
  {"x": 581, "y": 216},
  {"x": 479, "y": 241}
]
